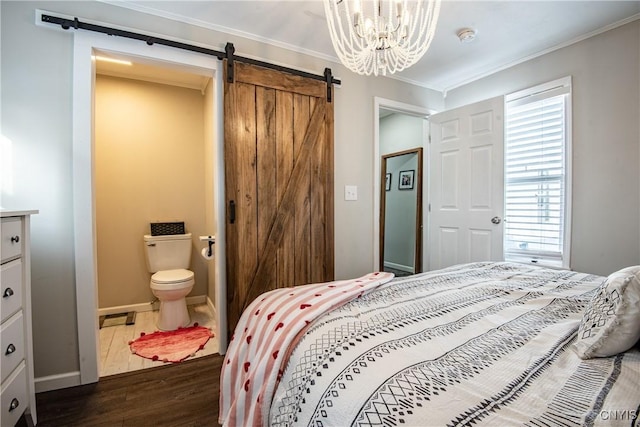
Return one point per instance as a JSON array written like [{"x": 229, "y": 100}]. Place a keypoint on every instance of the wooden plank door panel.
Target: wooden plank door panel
[
  {"x": 264, "y": 77},
  {"x": 266, "y": 163},
  {"x": 279, "y": 176},
  {"x": 285, "y": 158},
  {"x": 318, "y": 183},
  {"x": 240, "y": 184},
  {"x": 294, "y": 195},
  {"x": 301, "y": 117}
]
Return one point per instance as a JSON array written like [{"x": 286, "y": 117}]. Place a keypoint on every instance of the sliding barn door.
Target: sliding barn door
[{"x": 279, "y": 183}]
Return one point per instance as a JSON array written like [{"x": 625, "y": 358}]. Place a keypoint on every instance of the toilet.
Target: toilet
[{"x": 168, "y": 259}]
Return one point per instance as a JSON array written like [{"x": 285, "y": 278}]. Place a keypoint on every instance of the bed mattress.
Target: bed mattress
[{"x": 475, "y": 344}]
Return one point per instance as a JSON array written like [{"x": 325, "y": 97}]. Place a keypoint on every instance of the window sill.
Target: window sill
[{"x": 541, "y": 262}]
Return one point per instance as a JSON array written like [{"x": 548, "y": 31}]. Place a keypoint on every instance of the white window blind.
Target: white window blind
[{"x": 536, "y": 186}]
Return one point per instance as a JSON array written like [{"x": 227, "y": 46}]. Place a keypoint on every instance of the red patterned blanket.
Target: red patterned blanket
[{"x": 266, "y": 332}]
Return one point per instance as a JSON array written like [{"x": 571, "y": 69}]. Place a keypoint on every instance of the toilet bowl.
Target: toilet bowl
[
  {"x": 171, "y": 287},
  {"x": 168, "y": 259}
]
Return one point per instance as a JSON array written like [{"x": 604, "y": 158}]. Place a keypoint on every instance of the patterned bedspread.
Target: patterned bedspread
[
  {"x": 476, "y": 344},
  {"x": 264, "y": 336}
]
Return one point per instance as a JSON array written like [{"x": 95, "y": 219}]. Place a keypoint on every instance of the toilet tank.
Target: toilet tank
[{"x": 168, "y": 252}]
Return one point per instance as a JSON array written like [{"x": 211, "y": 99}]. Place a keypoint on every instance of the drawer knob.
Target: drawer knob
[
  {"x": 7, "y": 293},
  {"x": 15, "y": 239},
  {"x": 10, "y": 349},
  {"x": 14, "y": 404}
]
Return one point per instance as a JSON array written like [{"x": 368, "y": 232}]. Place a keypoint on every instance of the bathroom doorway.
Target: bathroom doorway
[
  {"x": 86, "y": 47},
  {"x": 152, "y": 132}
]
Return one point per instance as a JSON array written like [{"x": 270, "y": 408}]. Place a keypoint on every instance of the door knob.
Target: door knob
[
  {"x": 496, "y": 220},
  {"x": 10, "y": 349}
]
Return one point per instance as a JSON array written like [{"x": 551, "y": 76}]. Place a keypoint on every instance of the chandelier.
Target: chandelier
[{"x": 381, "y": 36}]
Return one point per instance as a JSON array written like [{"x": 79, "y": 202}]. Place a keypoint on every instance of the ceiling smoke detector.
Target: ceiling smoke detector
[{"x": 466, "y": 35}]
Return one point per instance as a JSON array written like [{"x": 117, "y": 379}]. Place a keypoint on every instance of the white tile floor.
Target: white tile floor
[{"x": 116, "y": 356}]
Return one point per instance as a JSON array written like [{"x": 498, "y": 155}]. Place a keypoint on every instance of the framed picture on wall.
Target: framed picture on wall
[
  {"x": 406, "y": 180},
  {"x": 387, "y": 182}
]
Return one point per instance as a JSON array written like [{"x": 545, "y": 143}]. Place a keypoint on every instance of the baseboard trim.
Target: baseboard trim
[
  {"x": 149, "y": 306},
  {"x": 400, "y": 267},
  {"x": 212, "y": 307},
  {"x": 56, "y": 382},
  {"x": 72, "y": 379},
  {"x": 215, "y": 315}
]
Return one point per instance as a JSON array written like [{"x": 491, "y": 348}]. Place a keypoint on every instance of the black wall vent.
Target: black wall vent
[{"x": 167, "y": 228}]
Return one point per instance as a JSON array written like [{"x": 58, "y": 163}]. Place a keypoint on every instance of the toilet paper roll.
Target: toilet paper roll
[{"x": 205, "y": 253}]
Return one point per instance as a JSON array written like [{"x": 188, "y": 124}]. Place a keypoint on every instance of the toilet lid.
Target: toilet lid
[{"x": 172, "y": 276}]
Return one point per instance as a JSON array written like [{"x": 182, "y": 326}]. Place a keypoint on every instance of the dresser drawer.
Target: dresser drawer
[
  {"x": 13, "y": 399},
  {"x": 11, "y": 344},
  {"x": 11, "y": 238},
  {"x": 11, "y": 288}
]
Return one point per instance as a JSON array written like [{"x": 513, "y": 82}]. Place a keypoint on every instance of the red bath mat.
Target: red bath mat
[{"x": 171, "y": 346}]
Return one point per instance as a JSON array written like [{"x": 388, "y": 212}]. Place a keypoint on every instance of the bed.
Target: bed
[{"x": 475, "y": 344}]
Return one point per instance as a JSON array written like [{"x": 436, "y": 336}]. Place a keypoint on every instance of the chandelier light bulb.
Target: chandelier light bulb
[{"x": 381, "y": 36}]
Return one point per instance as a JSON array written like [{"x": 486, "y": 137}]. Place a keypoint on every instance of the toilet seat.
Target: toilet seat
[
  {"x": 172, "y": 279},
  {"x": 172, "y": 276}
]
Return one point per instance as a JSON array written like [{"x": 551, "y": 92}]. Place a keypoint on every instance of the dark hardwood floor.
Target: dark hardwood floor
[{"x": 183, "y": 394}]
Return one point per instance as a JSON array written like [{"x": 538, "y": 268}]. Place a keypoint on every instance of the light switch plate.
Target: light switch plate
[{"x": 351, "y": 192}]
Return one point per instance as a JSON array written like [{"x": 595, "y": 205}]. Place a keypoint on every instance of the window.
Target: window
[{"x": 537, "y": 174}]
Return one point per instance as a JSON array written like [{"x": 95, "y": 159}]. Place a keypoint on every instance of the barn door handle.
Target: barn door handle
[{"x": 232, "y": 211}]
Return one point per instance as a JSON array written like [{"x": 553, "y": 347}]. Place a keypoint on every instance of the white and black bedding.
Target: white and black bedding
[{"x": 475, "y": 344}]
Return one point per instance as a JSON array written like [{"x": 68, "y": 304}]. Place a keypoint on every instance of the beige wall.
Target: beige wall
[{"x": 149, "y": 167}]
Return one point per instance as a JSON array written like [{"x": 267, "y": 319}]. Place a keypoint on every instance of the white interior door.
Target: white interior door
[{"x": 467, "y": 184}]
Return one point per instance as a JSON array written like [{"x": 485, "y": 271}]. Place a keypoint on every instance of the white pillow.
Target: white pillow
[{"x": 611, "y": 321}]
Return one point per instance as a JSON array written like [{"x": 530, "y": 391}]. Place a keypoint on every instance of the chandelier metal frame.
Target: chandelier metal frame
[{"x": 381, "y": 36}]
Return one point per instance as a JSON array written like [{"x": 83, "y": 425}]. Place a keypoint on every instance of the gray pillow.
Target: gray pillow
[{"x": 611, "y": 321}]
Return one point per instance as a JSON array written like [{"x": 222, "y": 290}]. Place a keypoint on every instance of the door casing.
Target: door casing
[
  {"x": 413, "y": 110},
  {"x": 417, "y": 262},
  {"x": 85, "y": 45}
]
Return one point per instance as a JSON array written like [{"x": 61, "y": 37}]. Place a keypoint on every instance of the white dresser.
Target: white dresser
[{"x": 16, "y": 344}]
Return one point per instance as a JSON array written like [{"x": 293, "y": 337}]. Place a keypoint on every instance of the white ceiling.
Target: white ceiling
[
  {"x": 152, "y": 72},
  {"x": 508, "y": 31}
]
